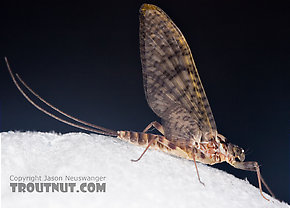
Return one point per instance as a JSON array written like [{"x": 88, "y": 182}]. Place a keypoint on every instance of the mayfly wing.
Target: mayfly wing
[{"x": 172, "y": 85}]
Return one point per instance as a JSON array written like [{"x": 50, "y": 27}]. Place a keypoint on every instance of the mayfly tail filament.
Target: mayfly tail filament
[{"x": 86, "y": 126}]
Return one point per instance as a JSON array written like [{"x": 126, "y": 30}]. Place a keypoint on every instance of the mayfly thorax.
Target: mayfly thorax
[{"x": 175, "y": 93}]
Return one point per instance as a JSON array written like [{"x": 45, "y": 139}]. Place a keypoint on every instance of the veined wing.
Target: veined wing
[{"x": 172, "y": 85}]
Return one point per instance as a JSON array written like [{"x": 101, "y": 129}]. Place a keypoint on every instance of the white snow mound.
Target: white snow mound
[{"x": 157, "y": 180}]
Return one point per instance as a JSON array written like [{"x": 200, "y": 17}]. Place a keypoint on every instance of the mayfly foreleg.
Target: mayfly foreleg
[
  {"x": 193, "y": 156},
  {"x": 156, "y": 125},
  {"x": 253, "y": 166}
]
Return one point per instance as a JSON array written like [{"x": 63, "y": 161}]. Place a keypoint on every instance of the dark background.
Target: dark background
[{"x": 84, "y": 58}]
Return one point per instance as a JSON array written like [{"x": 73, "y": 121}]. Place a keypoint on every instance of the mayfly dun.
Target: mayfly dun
[{"x": 175, "y": 93}]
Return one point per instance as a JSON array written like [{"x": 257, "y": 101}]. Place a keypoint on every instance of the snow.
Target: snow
[{"x": 158, "y": 180}]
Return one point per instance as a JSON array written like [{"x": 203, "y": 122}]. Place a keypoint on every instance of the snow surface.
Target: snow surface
[{"x": 158, "y": 180}]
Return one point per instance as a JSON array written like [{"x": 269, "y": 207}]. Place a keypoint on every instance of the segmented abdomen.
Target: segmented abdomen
[
  {"x": 203, "y": 153},
  {"x": 160, "y": 142}
]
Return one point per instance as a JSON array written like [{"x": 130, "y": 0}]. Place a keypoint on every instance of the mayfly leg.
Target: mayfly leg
[
  {"x": 156, "y": 125},
  {"x": 160, "y": 128},
  {"x": 253, "y": 166},
  {"x": 149, "y": 144},
  {"x": 193, "y": 156}
]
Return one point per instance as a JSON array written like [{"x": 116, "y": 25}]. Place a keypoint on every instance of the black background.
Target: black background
[{"x": 83, "y": 57}]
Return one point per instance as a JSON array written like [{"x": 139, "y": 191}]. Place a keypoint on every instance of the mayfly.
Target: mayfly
[{"x": 174, "y": 92}]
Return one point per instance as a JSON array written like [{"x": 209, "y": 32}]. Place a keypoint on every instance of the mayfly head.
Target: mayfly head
[{"x": 236, "y": 152}]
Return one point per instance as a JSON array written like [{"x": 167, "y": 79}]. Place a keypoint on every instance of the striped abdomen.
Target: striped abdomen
[
  {"x": 203, "y": 152},
  {"x": 159, "y": 143}
]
